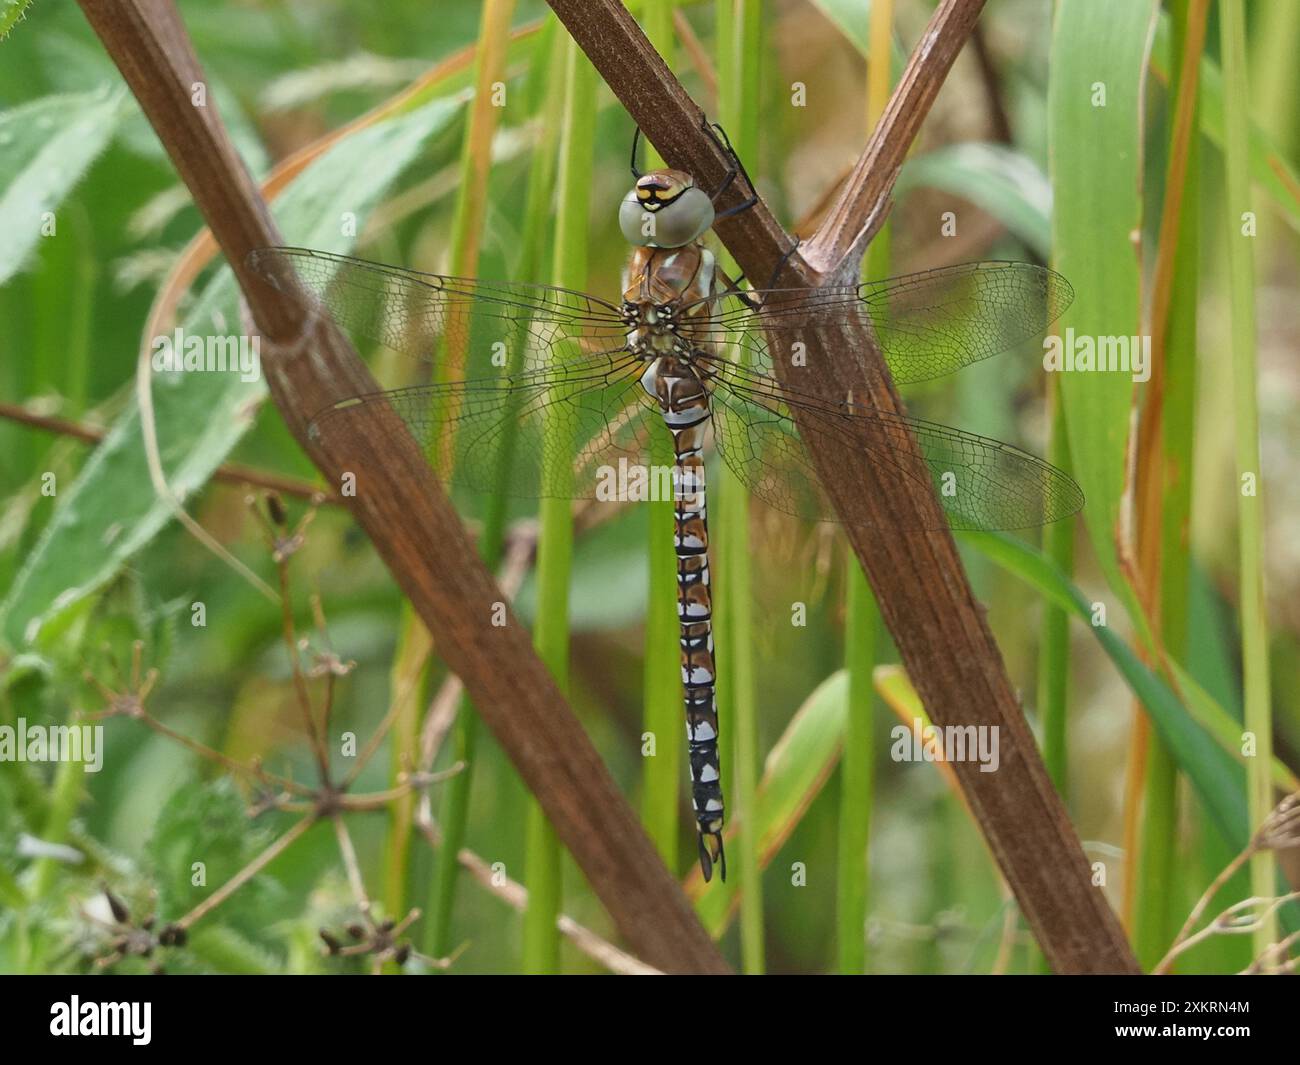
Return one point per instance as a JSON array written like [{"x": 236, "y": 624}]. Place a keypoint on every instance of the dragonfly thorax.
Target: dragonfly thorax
[
  {"x": 654, "y": 330},
  {"x": 665, "y": 300}
]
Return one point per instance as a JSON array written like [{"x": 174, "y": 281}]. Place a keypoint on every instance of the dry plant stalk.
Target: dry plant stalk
[
  {"x": 227, "y": 473},
  {"x": 1280, "y": 831}
]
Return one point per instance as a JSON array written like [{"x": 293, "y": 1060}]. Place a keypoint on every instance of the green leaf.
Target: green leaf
[
  {"x": 11, "y": 13},
  {"x": 851, "y": 18},
  {"x": 204, "y": 823},
  {"x": 999, "y": 180},
  {"x": 1098, "y": 56},
  {"x": 1212, "y": 771},
  {"x": 608, "y": 587},
  {"x": 1268, "y": 166},
  {"x": 227, "y": 951},
  {"x": 46, "y": 147},
  {"x": 111, "y": 511}
]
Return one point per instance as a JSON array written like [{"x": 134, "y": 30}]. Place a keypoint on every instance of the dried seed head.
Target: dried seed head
[
  {"x": 403, "y": 952},
  {"x": 120, "y": 913},
  {"x": 275, "y": 508},
  {"x": 1281, "y": 829},
  {"x": 356, "y": 931},
  {"x": 173, "y": 935}
]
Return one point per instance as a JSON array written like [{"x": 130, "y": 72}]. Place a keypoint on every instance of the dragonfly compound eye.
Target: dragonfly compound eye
[{"x": 670, "y": 218}]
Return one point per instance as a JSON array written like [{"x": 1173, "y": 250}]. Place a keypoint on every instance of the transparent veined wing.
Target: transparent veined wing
[
  {"x": 544, "y": 397},
  {"x": 928, "y": 324},
  {"x": 981, "y": 483},
  {"x": 558, "y": 409},
  {"x": 453, "y": 321},
  {"x": 582, "y": 431}
]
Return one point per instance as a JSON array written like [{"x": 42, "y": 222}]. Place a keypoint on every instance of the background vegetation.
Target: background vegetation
[{"x": 1142, "y": 718}]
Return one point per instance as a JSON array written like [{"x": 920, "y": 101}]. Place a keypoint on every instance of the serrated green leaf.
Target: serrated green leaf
[{"x": 11, "y": 13}]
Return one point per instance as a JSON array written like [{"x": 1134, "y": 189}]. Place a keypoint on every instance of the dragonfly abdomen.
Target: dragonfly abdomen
[{"x": 684, "y": 403}]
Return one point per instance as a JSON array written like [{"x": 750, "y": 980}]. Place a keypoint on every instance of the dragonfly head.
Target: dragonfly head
[{"x": 665, "y": 210}]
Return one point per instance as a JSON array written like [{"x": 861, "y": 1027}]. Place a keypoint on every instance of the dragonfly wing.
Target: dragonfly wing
[
  {"x": 937, "y": 321},
  {"x": 928, "y": 324},
  {"x": 981, "y": 483},
  {"x": 554, "y": 432},
  {"x": 457, "y": 322}
]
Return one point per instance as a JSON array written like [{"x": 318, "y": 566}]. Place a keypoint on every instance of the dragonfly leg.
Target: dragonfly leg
[
  {"x": 636, "y": 137},
  {"x": 733, "y": 289},
  {"x": 745, "y": 206},
  {"x": 785, "y": 258},
  {"x": 747, "y": 297},
  {"x": 719, "y": 137}
]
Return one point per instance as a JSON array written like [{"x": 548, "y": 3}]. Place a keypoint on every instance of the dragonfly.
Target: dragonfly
[{"x": 535, "y": 391}]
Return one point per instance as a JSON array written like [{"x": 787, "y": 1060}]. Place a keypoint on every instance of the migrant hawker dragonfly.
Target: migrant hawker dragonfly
[{"x": 537, "y": 390}]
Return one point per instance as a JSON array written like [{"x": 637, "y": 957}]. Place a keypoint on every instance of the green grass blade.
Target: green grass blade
[
  {"x": 1241, "y": 298},
  {"x": 1054, "y": 648},
  {"x": 1269, "y": 167},
  {"x": 541, "y": 952},
  {"x": 862, "y": 617},
  {"x": 738, "y": 46},
  {"x": 853, "y": 874},
  {"x": 453, "y": 811},
  {"x": 994, "y": 177},
  {"x": 1098, "y": 54},
  {"x": 1212, "y": 770},
  {"x": 852, "y": 19},
  {"x": 1155, "y": 917}
]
